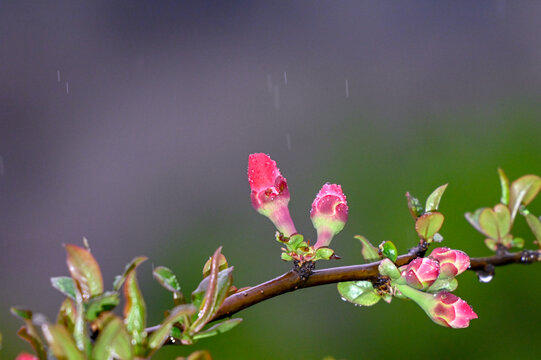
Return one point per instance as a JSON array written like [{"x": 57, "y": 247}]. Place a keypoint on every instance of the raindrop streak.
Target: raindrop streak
[
  {"x": 347, "y": 88},
  {"x": 57, "y": 75},
  {"x": 285, "y": 77},
  {"x": 67, "y": 88},
  {"x": 288, "y": 139},
  {"x": 276, "y": 97},
  {"x": 269, "y": 83}
]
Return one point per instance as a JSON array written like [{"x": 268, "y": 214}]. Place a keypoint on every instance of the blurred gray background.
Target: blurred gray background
[{"x": 130, "y": 123}]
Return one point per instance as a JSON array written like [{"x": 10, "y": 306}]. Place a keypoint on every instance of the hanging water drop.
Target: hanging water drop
[{"x": 485, "y": 277}]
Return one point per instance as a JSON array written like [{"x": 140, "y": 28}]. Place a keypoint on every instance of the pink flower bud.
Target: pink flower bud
[
  {"x": 421, "y": 273},
  {"x": 270, "y": 196},
  {"x": 26, "y": 356},
  {"x": 452, "y": 262},
  {"x": 329, "y": 213},
  {"x": 451, "y": 311},
  {"x": 443, "y": 308}
]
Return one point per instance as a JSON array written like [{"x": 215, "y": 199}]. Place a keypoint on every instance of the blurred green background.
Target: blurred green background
[{"x": 131, "y": 124}]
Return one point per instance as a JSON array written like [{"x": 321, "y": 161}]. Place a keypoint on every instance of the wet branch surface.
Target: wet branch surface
[{"x": 292, "y": 280}]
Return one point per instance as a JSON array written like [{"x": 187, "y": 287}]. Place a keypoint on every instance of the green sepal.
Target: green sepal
[
  {"x": 433, "y": 200},
  {"x": 105, "y": 302},
  {"x": 358, "y": 292},
  {"x": 286, "y": 257},
  {"x": 388, "y": 268},
  {"x": 216, "y": 329},
  {"x": 388, "y": 250},
  {"x": 65, "y": 285},
  {"x": 443, "y": 284},
  {"x": 369, "y": 252},
  {"x": 427, "y": 225}
]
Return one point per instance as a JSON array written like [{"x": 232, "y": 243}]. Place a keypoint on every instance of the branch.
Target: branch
[{"x": 292, "y": 280}]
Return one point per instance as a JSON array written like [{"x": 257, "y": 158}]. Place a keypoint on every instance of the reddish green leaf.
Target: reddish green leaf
[
  {"x": 158, "y": 337},
  {"x": 61, "y": 343},
  {"x": 67, "y": 314},
  {"x": 473, "y": 218},
  {"x": 523, "y": 191},
  {"x": 222, "y": 265},
  {"x": 31, "y": 336},
  {"x": 105, "y": 302},
  {"x": 215, "y": 287},
  {"x": 429, "y": 224},
  {"x": 65, "y": 285},
  {"x": 134, "y": 311},
  {"x": 218, "y": 328},
  {"x": 414, "y": 205},
  {"x": 199, "y": 355},
  {"x": 85, "y": 271},
  {"x": 119, "y": 280},
  {"x": 433, "y": 200},
  {"x": 113, "y": 341},
  {"x": 495, "y": 223}
]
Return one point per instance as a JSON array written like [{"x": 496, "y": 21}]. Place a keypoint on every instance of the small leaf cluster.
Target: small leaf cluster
[
  {"x": 86, "y": 327},
  {"x": 297, "y": 249},
  {"x": 496, "y": 223}
]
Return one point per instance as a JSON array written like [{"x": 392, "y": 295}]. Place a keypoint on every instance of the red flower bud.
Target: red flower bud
[
  {"x": 452, "y": 262},
  {"x": 270, "y": 195},
  {"x": 451, "y": 311},
  {"x": 26, "y": 356},
  {"x": 329, "y": 213},
  {"x": 421, "y": 273}
]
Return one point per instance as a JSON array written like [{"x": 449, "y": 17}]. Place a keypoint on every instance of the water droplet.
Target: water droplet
[
  {"x": 343, "y": 298},
  {"x": 485, "y": 277}
]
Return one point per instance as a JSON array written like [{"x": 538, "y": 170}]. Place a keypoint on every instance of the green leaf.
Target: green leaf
[
  {"x": 388, "y": 250},
  {"x": 535, "y": 225},
  {"x": 85, "y": 271},
  {"x": 65, "y": 285},
  {"x": 414, "y": 205},
  {"x": 323, "y": 253},
  {"x": 523, "y": 191},
  {"x": 433, "y": 200},
  {"x": 473, "y": 218},
  {"x": 295, "y": 241},
  {"x": 222, "y": 265},
  {"x": 358, "y": 292},
  {"x": 215, "y": 286},
  {"x": 369, "y": 251},
  {"x": 491, "y": 244},
  {"x": 113, "y": 341},
  {"x": 517, "y": 243},
  {"x": 119, "y": 280},
  {"x": 504, "y": 183},
  {"x": 165, "y": 277},
  {"x": 218, "y": 328},
  {"x": 286, "y": 257},
  {"x": 429, "y": 224},
  {"x": 134, "y": 311},
  {"x": 24, "y": 314},
  {"x": 105, "y": 302},
  {"x": 61, "y": 343},
  {"x": 158, "y": 337},
  {"x": 495, "y": 223},
  {"x": 67, "y": 314}
]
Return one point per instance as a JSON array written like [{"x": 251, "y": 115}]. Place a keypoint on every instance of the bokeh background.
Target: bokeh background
[{"x": 130, "y": 123}]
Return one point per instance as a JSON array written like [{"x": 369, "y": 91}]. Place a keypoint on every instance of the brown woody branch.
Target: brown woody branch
[{"x": 292, "y": 280}]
